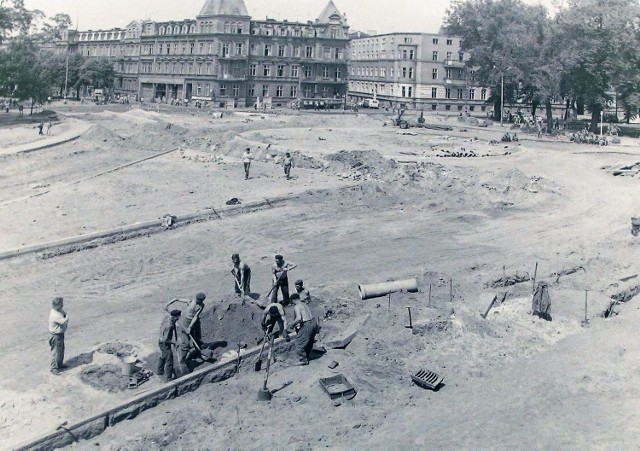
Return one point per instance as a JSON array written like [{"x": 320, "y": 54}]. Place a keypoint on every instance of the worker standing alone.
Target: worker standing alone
[
  {"x": 287, "y": 164},
  {"x": 168, "y": 337},
  {"x": 246, "y": 159},
  {"x": 58, "y": 322}
]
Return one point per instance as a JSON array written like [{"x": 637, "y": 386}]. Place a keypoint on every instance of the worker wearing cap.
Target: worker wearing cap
[
  {"x": 242, "y": 275},
  {"x": 301, "y": 292},
  {"x": 246, "y": 160},
  {"x": 189, "y": 324},
  {"x": 274, "y": 314},
  {"x": 307, "y": 327},
  {"x": 167, "y": 338},
  {"x": 280, "y": 280},
  {"x": 58, "y": 322}
]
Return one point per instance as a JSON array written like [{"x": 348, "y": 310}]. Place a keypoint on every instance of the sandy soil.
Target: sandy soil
[{"x": 511, "y": 381}]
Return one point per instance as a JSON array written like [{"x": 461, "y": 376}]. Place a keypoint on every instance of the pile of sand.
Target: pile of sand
[{"x": 106, "y": 377}]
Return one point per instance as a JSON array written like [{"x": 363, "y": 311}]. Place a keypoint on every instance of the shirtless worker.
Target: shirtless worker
[
  {"x": 307, "y": 327},
  {"x": 274, "y": 314},
  {"x": 280, "y": 280},
  {"x": 242, "y": 276}
]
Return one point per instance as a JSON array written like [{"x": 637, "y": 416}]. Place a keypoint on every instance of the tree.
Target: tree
[
  {"x": 21, "y": 72},
  {"x": 599, "y": 42},
  {"x": 96, "y": 72},
  {"x": 511, "y": 41},
  {"x": 15, "y": 18},
  {"x": 52, "y": 28}
]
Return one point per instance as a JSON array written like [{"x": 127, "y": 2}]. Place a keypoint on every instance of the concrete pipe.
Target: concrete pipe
[{"x": 375, "y": 290}]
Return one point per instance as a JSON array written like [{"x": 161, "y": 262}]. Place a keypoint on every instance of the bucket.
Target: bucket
[{"x": 129, "y": 365}]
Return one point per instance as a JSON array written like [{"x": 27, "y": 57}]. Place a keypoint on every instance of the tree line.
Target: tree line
[
  {"x": 29, "y": 67},
  {"x": 587, "y": 53}
]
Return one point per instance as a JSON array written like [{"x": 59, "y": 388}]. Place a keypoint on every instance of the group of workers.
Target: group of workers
[{"x": 181, "y": 327}]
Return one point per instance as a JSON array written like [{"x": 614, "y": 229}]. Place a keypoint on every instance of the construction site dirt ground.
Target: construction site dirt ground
[{"x": 367, "y": 203}]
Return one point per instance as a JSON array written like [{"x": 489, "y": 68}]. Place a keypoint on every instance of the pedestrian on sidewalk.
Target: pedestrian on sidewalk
[
  {"x": 246, "y": 159},
  {"x": 58, "y": 322},
  {"x": 288, "y": 164},
  {"x": 40, "y": 127},
  {"x": 48, "y": 127}
]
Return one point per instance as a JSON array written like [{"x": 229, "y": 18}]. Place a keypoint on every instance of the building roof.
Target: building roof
[
  {"x": 224, "y": 8},
  {"x": 330, "y": 14}
]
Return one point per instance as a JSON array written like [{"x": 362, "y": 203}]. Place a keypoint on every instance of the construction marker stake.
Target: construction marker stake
[{"x": 410, "y": 326}]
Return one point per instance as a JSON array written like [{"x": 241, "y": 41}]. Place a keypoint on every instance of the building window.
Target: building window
[
  {"x": 447, "y": 107},
  {"x": 236, "y": 90},
  {"x": 435, "y": 41},
  {"x": 407, "y": 40},
  {"x": 404, "y": 93},
  {"x": 472, "y": 94},
  {"x": 283, "y": 31},
  {"x": 294, "y": 71},
  {"x": 198, "y": 89},
  {"x": 404, "y": 72},
  {"x": 449, "y": 41},
  {"x": 308, "y": 52},
  {"x": 296, "y": 33},
  {"x": 296, "y": 51},
  {"x": 434, "y": 74},
  {"x": 460, "y": 93},
  {"x": 325, "y": 92},
  {"x": 338, "y": 72},
  {"x": 434, "y": 107},
  {"x": 483, "y": 94},
  {"x": 266, "y": 70},
  {"x": 207, "y": 90},
  {"x": 460, "y": 56},
  {"x": 448, "y": 56},
  {"x": 280, "y": 70},
  {"x": 308, "y": 72},
  {"x": 325, "y": 72},
  {"x": 447, "y": 73},
  {"x": 434, "y": 93},
  {"x": 281, "y": 49},
  {"x": 223, "y": 90},
  {"x": 411, "y": 54},
  {"x": 308, "y": 91},
  {"x": 267, "y": 50},
  {"x": 239, "y": 49},
  {"x": 265, "y": 90},
  {"x": 411, "y": 72},
  {"x": 383, "y": 71},
  {"x": 293, "y": 91},
  {"x": 434, "y": 56},
  {"x": 279, "y": 90},
  {"x": 251, "y": 92},
  {"x": 447, "y": 93},
  {"x": 405, "y": 54},
  {"x": 225, "y": 50},
  {"x": 191, "y": 46},
  {"x": 472, "y": 108}
]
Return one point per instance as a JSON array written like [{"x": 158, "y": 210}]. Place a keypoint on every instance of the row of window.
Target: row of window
[
  {"x": 405, "y": 54},
  {"x": 373, "y": 42},
  {"x": 408, "y": 72},
  {"x": 293, "y": 71},
  {"x": 263, "y": 90},
  {"x": 407, "y": 91}
]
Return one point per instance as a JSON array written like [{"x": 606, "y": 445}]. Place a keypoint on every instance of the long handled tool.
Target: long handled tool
[
  {"x": 264, "y": 394},
  {"x": 275, "y": 284},
  {"x": 207, "y": 354},
  {"x": 258, "y": 365}
]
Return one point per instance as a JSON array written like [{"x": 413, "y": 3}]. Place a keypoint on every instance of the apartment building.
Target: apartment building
[
  {"x": 224, "y": 56},
  {"x": 414, "y": 70}
]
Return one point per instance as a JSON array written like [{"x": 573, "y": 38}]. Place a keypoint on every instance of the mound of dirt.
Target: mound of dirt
[
  {"x": 106, "y": 377},
  {"x": 232, "y": 322}
]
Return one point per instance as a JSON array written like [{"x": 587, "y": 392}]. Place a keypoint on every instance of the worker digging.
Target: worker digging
[
  {"x": 280, "y": 270},
  {"x": 242, "y": 276}
]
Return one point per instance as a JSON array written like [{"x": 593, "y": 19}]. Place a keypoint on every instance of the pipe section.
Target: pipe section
[{"x": 375, "y": 290}]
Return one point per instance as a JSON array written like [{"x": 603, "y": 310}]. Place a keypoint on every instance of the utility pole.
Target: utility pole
[
  {"x": 66, "y": 75},
  {"x": 501, "y": 99}
]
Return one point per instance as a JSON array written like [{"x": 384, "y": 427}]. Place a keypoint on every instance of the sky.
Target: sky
[{"x": 380, "y": 16}]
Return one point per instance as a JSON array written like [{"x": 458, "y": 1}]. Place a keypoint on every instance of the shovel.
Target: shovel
[
  {"x": 258, "y": 365},
  {"x": 207, "y": 354}
]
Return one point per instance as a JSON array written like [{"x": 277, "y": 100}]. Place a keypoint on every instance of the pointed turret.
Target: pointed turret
[
  {"x": 331, "y": 15},
  {"x": 223, "y": 8}
]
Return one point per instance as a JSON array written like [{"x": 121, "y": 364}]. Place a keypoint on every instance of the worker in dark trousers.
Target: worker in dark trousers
[
  {"x": 190, "y": 324},
  {"x": 242, "y": 275},
  {"x": 168, "y": 337},
  {"x": 280, "y": 279},
  {"x": 58, "y": 322},
  {"x": 307, "y": 328}
]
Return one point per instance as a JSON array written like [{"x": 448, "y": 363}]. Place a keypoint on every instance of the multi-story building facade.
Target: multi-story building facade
[
  {"x": 414, "y": 70},
  {"x": 223, "y": 56}
]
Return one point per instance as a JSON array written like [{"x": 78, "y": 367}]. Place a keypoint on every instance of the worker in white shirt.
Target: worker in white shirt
[
  {"x": 246, "y": 159},
  {"x": 58, "y": 322}
]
